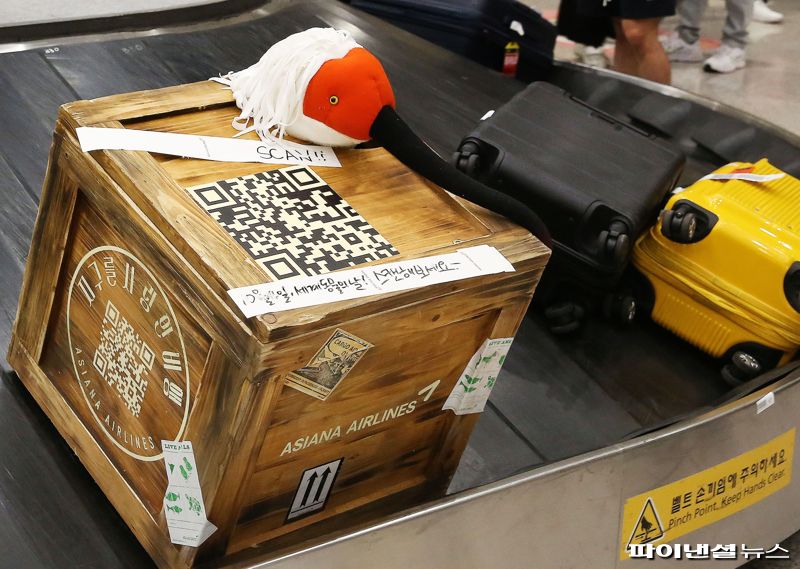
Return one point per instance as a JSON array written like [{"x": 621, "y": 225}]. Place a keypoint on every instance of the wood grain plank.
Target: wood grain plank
[
  {"x": 197, "y": 298},
  {"x": 227, "y": 435},
  {"x": 49, "y": 241}
]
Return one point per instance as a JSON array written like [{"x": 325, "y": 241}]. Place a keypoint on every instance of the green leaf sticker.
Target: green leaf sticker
[
  {"x": 472, "y": 390},
  {"x": 194, "y": 504}
]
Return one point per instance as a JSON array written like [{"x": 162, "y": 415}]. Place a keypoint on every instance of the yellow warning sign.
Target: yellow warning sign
[
  {"x": 673, "y": 510},
  {"x": 648, "y": 528}
]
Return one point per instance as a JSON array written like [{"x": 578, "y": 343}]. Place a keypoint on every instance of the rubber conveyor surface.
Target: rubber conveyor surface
[{"x": 556, "y": 398}]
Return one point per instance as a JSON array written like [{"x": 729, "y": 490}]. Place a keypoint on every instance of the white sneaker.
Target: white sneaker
[
  {"x": 726, "y": 59},
  {"x": 764, "y": 14},
  {"x": 680, "y": 51},
  {"x": 594, "y": 56}
]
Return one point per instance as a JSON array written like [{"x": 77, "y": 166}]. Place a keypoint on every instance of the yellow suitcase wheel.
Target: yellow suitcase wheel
[
  {"x": 742, "y": 367},
  {"x": 619, "y": 308},
  {"x": 679, "y": 225}
]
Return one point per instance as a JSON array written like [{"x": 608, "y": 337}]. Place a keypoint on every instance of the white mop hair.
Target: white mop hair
[{"x": 270, "y": 92}]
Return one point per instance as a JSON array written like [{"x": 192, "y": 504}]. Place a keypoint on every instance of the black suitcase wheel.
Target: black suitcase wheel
[
  {"x": 679, "y": 225},
  {"x": 470, "y": 165},
  {"x": 468, "y": 158},
  {"x": 619, "y": 308},
  {"x": 614, "y": 246},
  {"x": 742, "y": 367},
  {"x": 564, "y": 317}
]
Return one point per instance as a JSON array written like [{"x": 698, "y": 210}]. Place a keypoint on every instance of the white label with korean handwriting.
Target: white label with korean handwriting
[
  {"x": 301, "y": 292},
  {"x": 477, "y": 380},
  {"x": 207, "y": 147}
]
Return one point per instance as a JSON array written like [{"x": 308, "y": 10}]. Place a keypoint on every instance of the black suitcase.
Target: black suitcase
[
  {"x": 478, "y": 29},
  {"x": 597, "y": 183}
]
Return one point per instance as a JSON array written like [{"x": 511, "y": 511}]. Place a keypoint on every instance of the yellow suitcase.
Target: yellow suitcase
[{"x": 724, "y": 265}]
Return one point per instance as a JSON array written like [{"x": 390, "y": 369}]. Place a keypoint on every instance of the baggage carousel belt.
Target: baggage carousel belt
[{"x": 556, "y": 398}]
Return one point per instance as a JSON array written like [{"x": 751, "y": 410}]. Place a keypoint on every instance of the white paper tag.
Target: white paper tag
[
  {"x": 183, "y": 500},
  {"x": 206, "y": 147},
  {"x": 746, "y": 176},
  {"x": 473, "y": 388},
  {"x": 301, "y": 292},
  {"x": 765, "y": 403}
]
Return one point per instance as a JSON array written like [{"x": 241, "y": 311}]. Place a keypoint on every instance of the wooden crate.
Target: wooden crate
[{"x": 127, "y": 281}]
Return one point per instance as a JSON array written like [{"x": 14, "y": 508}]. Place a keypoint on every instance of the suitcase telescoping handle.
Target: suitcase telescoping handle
[
  {"x": 397, "y": 137},
  {"x": 612, "y": 120}
]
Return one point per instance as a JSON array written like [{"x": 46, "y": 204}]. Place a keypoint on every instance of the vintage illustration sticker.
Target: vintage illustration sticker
[{"x": 330, "y": 365}]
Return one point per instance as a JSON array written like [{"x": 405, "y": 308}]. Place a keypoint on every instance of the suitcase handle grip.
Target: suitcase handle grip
[{"x": 611, "y": 119}]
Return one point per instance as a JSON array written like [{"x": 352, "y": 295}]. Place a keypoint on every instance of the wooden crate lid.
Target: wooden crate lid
[{"x": 416, "y": 217}]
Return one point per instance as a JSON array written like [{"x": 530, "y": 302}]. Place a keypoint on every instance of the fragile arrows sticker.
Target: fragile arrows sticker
[{"x": 314, "y": 488}]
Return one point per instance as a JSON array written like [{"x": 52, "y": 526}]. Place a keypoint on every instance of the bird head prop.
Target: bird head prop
[{"x": 321, "y": 86}]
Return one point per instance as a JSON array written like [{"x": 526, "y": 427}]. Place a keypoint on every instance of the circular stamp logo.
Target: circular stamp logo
[{"x": 127, "y": 352}]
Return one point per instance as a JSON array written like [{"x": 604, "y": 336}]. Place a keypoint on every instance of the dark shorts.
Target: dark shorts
[
  {"x": 589, "y": 29},
  {"x": 636, "y": 9}
]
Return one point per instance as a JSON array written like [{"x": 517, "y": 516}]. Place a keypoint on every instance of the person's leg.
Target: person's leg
[
  {"x": 738, "y": 18},
  {"x": 731, "y": 56},
  {"x": 690, "y": 13},
  {"x": 638, "y": 51},
  {"x": 624, "y": 55}
]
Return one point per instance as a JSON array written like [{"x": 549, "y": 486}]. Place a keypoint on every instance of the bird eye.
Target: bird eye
[{"x": 334, "y": 100}]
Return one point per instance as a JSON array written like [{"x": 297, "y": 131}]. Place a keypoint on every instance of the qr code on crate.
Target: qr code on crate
[
  {"x": 292, "y": 223},
  {"x": 123, "y": 359}
]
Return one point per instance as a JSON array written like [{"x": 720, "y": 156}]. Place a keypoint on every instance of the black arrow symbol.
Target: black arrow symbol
[
  {"x": 322, "y": 481},
  {"x": 311, "y": 480}
]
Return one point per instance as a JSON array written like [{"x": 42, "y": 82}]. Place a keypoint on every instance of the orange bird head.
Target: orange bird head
[
  {"x": 347, "y": 94},
  {"x": 318, "y": 85}
]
